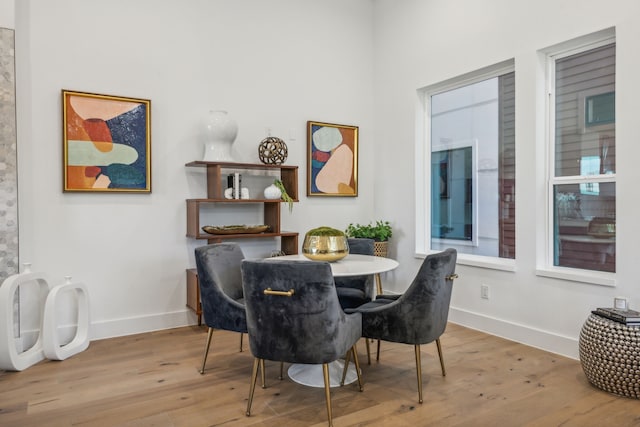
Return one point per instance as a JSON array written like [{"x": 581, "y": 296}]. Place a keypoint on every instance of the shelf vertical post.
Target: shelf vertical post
[{"x": 214, "y": 182}]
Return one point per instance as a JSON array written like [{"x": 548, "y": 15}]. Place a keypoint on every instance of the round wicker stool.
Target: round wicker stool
[{"x": 610, "y": 356}]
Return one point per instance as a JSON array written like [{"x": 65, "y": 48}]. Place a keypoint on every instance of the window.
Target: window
[
  {"x": 471, "y": 146},
  {"x": 582, "y": 181}
]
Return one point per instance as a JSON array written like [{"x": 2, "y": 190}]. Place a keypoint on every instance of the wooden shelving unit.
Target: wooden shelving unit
[{"x": 216, "y": 181}]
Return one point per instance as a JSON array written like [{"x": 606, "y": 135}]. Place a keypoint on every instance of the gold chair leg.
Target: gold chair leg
[
  {"x": 354, "y": 350},
  {"x": 346, "y": 367},
  {"x": 327, "y": 391},
  {"x": 419, "y": 373},
  {"x": 206, "y": 350},
  {"x": 241, "y": 335},
  {"x": 444, "y": 373},
  {"x": 252, "y": 387},
  {"x": 264, "y": 383},
  {"x": 379, "y": 291},
  {"x": 366, "y": 340}
]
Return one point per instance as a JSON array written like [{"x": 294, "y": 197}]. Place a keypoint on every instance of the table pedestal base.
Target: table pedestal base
[{"x": 311, "y": 375}]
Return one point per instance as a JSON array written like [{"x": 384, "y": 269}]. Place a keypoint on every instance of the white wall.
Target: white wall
[
  {"x": 272, "y": 64},
  {"x": 7, "y": 14},
  {"x": 420, "y": 43}
]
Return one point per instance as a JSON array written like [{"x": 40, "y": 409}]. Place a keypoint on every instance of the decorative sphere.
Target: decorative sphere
[{"x": 272, "y": 151}]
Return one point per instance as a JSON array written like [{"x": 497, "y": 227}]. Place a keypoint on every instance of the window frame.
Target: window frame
[
  {"x": 423, "y": 164},
  {"x": 546, "y": 265}
]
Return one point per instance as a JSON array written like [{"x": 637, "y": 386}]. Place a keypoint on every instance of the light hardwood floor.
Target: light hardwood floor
[{"x": 153, "y": 380}]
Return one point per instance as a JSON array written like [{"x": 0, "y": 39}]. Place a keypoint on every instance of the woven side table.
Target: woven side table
[{"x": 610, "y": 356}]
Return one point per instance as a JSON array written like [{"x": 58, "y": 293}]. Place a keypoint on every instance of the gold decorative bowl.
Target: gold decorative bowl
[{"x": 325, "y": 248}]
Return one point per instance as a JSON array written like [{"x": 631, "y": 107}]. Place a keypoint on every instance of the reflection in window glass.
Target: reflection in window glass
[
  {"x": 473, "y": 168},
  {"x": 585, "y": 232},
  {"x": 590, "y": 165},
  {"x": 585, "y": 110},
  {"x": 452, "y": 215},
  {"x": 583, "y": 187}
]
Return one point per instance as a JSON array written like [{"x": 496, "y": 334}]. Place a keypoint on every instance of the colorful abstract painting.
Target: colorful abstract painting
[
  {"x": 107, "y": 143},
  {"x": 332, "y": 163}
]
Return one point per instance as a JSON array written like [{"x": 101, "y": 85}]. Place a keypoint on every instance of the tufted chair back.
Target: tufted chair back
[
  {"x": 221, "y": 286},
  {"x": 308, "y": 326}
]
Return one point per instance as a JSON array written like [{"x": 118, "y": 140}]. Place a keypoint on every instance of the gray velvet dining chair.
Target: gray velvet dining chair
[
  {"x": 353, "y": 291},
  {"x": 220, "y": 282},
  {"x": 294, "y": 316},
  {"x": 419, "y": 315}
]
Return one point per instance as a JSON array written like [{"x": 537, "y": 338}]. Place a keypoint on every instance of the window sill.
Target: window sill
[
  {"x": 492, "y": 263},
  {"x": 574, "y": 275}
]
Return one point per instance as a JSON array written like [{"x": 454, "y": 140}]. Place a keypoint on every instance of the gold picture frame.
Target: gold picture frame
[
  {"x": 107, "y": 143},
  {"x": 332, "y": 159}
]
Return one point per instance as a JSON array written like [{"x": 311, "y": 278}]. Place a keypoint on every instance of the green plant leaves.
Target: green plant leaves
[{"x": 380, "y": 231}]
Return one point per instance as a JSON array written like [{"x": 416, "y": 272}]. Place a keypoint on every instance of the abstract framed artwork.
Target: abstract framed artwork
[
  {"x": 107, "y": 143},
  {"x": 332, "y": 159}
]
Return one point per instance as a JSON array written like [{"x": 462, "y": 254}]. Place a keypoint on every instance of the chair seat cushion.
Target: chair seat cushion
[
  {"x": 351, "y": 297},
  {"x": 391, "y": 297},
  {"x": 368, "y": 306},
  {"x": 357, "y": 282}
]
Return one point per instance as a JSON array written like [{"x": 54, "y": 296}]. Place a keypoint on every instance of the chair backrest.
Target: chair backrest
[
  {"x": 360, "y": 246},
  {"x": 421, "y": 313},
  {"x": 308, "y": 326},
  {"x": 220, "y": 282}
]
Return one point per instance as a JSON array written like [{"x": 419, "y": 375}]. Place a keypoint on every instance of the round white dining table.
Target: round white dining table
[{"x": 351, "y": 265}]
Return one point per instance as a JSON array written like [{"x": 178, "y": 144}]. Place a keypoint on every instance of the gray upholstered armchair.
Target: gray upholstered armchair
[
  {"x": 294, "y": 316},
  {"x": 353, "y": 291},
  {"x": 220, "y": 283},
  {"x": 419, "y": 316}
]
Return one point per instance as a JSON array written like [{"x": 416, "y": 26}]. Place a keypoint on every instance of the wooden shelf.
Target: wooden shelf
[
  {"x": 288, "y": 176},
  {"x": 272, "y": 214}
]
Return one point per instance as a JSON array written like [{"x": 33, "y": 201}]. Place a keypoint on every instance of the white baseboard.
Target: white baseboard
[
  {"x": 544, "y": 340},
  {"x": 140, "y": 324},
  {"x": 29, "y": 337},
  {"x": 113, "y": 328}
]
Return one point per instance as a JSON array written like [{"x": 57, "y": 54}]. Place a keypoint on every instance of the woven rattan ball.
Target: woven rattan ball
[{"x": 272, "y": 151}]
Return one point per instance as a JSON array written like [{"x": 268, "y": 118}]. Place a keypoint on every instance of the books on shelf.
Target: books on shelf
[{"x": 628, "y": 317}]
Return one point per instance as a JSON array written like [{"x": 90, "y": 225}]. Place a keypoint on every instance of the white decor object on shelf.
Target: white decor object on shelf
[
  {"x": 244, "y": 193},
  {"x": 272, "y": 192},
  {"x": 221, "y": 132}
]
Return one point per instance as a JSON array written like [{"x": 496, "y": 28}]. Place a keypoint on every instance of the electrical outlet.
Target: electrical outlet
[{"x": 484, "y": 291}]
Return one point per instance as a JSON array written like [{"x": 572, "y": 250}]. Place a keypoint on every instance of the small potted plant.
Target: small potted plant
[{"x": 380, "y": 232}]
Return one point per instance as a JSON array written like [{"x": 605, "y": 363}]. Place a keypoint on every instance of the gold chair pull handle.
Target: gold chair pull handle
[
  {"x": 288, "y": 293},
  {"x": 451, "y": 276}
]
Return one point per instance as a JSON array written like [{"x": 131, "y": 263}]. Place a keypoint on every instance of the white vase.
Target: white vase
[
  {"x": 221, "y": 134},
  {"x": 272, "y": 192}
]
